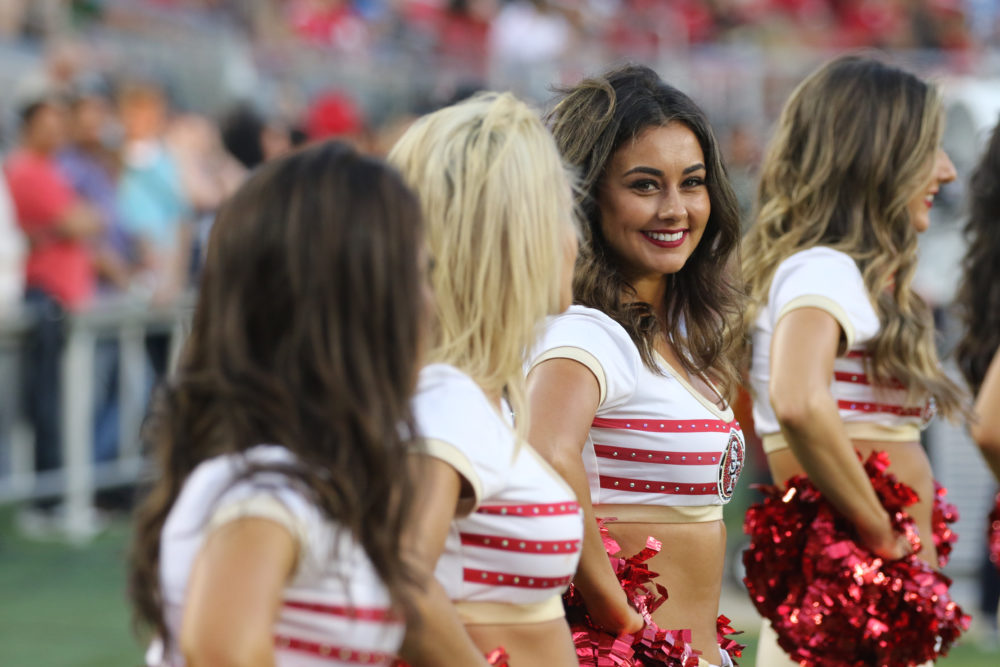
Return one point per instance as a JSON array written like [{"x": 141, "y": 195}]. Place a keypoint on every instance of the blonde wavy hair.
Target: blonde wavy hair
[
  {"x": 498, "y": 211},
  {"x": 854, "y": 145}
]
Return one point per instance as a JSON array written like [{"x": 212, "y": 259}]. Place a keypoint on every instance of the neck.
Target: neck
[{"x": 651, "y": 290}]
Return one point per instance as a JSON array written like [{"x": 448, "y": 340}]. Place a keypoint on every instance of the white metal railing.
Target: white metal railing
[{"x": 127, "y": 321}]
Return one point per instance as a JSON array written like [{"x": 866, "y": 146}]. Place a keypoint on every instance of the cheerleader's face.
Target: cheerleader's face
[
  {"x": 919, "y": 208},
  {"x": 654, "y": 201}
]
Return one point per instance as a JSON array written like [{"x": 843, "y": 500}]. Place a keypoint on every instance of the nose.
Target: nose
[
  {"x": 944, "y": 168},
  {"x": 671, "y": 205}
]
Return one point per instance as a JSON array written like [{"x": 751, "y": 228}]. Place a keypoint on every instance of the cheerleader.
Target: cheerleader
[
  {"x": 629, "y": 388},
  {"x": 843, "y": 355},
  {"x": 979, "y": 303},
  {"x": 500, "y": 525},
  {"x": 271, "y": 535}
]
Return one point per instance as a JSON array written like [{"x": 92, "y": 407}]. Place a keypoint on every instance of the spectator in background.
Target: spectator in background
[
  {"x": 152, "y": 203},
  {"x": 208, "y": 173},
  {"x": 250, "y": 138},
  {"x": 334, "y": 115},
  {"x": 91, "y": 165},
  {"x": 59, "y": 227}
]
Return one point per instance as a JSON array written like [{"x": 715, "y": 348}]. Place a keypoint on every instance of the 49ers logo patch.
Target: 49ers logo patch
[{"x": 731, "y": 466}]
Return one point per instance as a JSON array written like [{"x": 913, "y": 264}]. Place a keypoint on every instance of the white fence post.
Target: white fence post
[{"x": 78, "y": 432}]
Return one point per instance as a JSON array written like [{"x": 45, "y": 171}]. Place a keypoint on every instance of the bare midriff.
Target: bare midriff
[
  {"x": 690, "y": 565},
  {"x": 907, "y": 461},
  {"x": 543, "y": 644}
]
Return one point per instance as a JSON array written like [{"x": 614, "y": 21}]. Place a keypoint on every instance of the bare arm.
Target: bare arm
[
  {"x": 564, "y": 397},
  {"x": 803, "y": 349},
  {"x": 80, "y": 221},
  {"x": 234, "y": 593},
  {"x": 986, "y": 428},
  {"x": 436, "y": 638}
]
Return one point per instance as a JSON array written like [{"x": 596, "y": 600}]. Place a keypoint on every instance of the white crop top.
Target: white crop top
[
  {"x": 656, "y": 441},
  {"x": 510, "y": 559},
  {"x": 830, "y": 280},
  {"x": 335, "y": 610}
]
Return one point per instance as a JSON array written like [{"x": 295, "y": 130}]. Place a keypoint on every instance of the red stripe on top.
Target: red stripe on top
[
  {"x": 899, "y": 410},
  {"x": 667, "y": 425},
  {"x": 330, "y": 652},
  {"x": 652, "y": 456},
  {"x": 546, "y": 509},
  {"x": 523, "y": 546},
  {"x": 658, "y": 486},
  {"x": 861, "y": 378},
  {"x": 857, "y": 354},
  {"x": 364, "y": 614},
  {"x": 515, "y": 580}
]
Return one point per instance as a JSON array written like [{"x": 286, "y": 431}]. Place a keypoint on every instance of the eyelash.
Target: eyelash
[{"x": 693, "y": 182}]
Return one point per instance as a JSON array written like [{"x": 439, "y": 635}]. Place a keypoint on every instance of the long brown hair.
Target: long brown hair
[
  {"x": 979, "y": 293},
  {"x": 591, "y": 121},
  {"x": 306, "y": 334},
  {"x": 854, "y": 144}
]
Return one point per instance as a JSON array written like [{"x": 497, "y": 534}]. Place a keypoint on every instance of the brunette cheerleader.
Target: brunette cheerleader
[
  {"x": 629, "y": 388},
  {"x": 271, "y": 536}
]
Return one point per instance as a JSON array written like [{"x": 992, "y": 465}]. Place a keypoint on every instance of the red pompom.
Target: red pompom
[
  {"x": 727, "y": 644},
  {"x": 498, "y": 657},
  {"x": 943, "y": 515},
  {"x": 653, "y": 645},
  {"x": 993, "y": 534},
  {"x": 831, "y": 601}
]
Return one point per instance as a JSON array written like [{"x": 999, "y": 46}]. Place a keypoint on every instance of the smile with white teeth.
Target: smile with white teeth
[
  {"x": 929, "y": 199},
  {"x": 668, "y": 237}
]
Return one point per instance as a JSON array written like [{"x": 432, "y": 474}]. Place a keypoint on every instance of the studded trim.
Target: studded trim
[
  {"x": 515, "y": 580},
  {"x": 651, "y": 486},
  {"x": 655, "y": 456},
  {"x": 521, "y": 546}
]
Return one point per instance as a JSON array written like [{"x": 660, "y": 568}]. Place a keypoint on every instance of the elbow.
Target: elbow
[
  {"x": 204, "y": 651},
  {"x": 565, "y": 458},
  {"x": 795, "y": 408},
  {"x": 987, "y": 439}
]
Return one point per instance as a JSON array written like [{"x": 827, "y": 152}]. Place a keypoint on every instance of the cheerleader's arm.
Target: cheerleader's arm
[
  {"x": 803, "y": 349},
  {"x": 435, "y": 636},
  {"x": 234, "y": 594},
  {"x": 986, "y": 428},
  {"x": 564, "y": 396}
]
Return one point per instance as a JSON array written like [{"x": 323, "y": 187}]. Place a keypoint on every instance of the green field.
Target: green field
[{"x": 64, "y": 606}]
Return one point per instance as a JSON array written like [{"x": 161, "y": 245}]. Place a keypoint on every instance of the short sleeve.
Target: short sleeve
[
  {"x": 457, "y": 425},
  {"x": 268, "y": 496},
  {"x": 595, "y": 340},
  {"x": 827, "y": 279}
]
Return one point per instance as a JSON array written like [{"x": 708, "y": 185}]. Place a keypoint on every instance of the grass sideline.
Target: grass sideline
[{"x": 65, "y": 606}]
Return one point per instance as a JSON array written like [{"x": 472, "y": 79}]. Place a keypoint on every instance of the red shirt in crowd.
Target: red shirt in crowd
[{"x": 41, "y": 195}]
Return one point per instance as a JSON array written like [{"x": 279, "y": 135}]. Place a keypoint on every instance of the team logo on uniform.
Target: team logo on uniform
[{"x": 731, "y": 466}]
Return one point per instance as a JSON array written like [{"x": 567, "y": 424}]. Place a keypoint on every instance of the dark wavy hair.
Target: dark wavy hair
[
  {"x": 306, "y": 334},
  {"x": 978, "y": 296},
  {"x": 591, "y": 121}
]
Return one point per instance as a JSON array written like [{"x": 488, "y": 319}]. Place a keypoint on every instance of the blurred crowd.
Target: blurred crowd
[
  {"x": 478, "y": 32},
  {"x": 111, "y": 178},
  {"x": 127, "y": 184}
]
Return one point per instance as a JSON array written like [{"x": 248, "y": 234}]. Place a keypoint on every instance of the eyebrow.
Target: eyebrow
[{"x": 652, "y": 171}]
